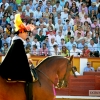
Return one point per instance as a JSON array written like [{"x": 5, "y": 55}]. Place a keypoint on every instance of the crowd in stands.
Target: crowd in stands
[{"x": 62, "y": 27}]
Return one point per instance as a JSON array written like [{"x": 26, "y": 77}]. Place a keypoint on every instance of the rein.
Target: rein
[{"x": 46, "y": 77}]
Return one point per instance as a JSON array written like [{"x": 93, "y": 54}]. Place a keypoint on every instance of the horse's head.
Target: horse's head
[{"x": 64, "y": 80}]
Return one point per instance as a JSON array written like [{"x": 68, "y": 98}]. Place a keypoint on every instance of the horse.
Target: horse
[{"x": 47, "y": 70}]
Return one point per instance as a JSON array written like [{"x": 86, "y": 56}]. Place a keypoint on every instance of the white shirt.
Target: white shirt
[
  {"x": 92, "y": 48},
  {"x": 52, "y": 44},
  {"x": 28, "y": 12},
  {"x": 75, "y": 53},
  {"x": 54, "y": 53},
  {"x": 37, "y": 14},
  {"x": 72, "y": 33},
  {"x": 58, "y": 38},
  {"x": 6, "y": 5},
  {"x": 58, "y": 9},
  {"x": 44, "y": 31},
  {"x": 36, "y": 43}
]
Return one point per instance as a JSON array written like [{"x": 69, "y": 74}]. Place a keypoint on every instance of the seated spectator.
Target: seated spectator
[
  {"x": 5, "y": 48},
  {"x": 70, "y": 43},
  {"x": 67, "y": 37},
  {"x": 86, "y": 52},
  {"x": 54, "y": 12},
  {"x": 52, "y": 43},
  {"x": 97, "y": 29},
  {"x": 88, "y": 68},
  {"x": 88, "y": 37},
  {"x": 62, "y": 43},
  {"x": 36, "y": 42},
  {"x": 96, "y": 38},
  {"x": 8, "y": 29},
  {"x": 93, "y": 7},
  {"x": 40, "y": 36},
  {"x": 79, "y": 30},
  {"x": 44, "y": 30},
  {"x": 51, "y": 35},
  {"x": 34, "y": 51},
  {"x": 28, "y": 43},
  {"x": 58, "y": 24},
  {"x": 51, "y": 16},
  {"x": 46, "y": 13},
  {"x": 74, "y": 9},
  {"x": 94, "y": 24},
  {"x": 64, "y": 51},
  {"x": 55, "y": 50},
  {"x": 85, "y": 26},
  {"x": 58, "y": 6},
  {"x": 67, "y": 24},
  {"x": 50, "y": 23},
  {"x": 59, "y": 37},
  {"x": 61, "y": 30},
  {"x": 44, "y": 50},
  {"x": 81, "y": 44},
  {"x": 75, "y": 70},
  {"x": 93, "y": 49},
  {"x": 64, "y": 15},
  {"x": 78, "y": 38},
  {"x": 98, "y": 69},
  {"x": 45, "y": 41},
  {"x": 27, "y": 49},
  {"x": 69, "y": 30},
  {"x": 49, "y": 30},
  {"x": 86, "y": 18},
  {"x": 75, "y": 52}
]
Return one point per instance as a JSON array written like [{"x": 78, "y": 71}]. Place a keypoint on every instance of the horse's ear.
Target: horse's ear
[{"x": 71, "y": 58}]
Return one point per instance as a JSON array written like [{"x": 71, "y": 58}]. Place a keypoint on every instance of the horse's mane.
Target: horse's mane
[{"x": 48, "y": 58}]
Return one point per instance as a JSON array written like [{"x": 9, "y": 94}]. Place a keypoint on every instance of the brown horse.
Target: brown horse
[{"x": 43, "y": 89}]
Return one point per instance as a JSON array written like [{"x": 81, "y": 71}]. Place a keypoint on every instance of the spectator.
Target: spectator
[
  {"x": 44, "y": 50},
  {"x": 81, "y": 44},
  {"x": 96, "y": 38},
  {"x": 58, "y": 6},
  {"x": 67, "y": 37},
  {"x": 64, "y": 51},
  {"x": 70, "y": 43},
  {"x": 75, "y": 52},
  {"x": 40, "y": 36},
  {"x": 62, "y": 43},
  {"x": 55, "y": 50},
  {"x": 34, "y": 51},
  {"x": 88, "y": 68},
  {"x": 59, "y": 37},
  {"x": 36, "y": 42},
  {"x": 85, "y": 52},
  {"x": 5, "y": 48},
  {"x": 46, "y": 42},
  {"x": 93, "y": 49}
]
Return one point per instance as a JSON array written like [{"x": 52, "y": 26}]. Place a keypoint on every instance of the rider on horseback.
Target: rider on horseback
[{"x": 15, "y": 66}]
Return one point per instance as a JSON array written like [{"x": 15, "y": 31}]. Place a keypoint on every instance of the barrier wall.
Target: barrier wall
[{"x": 95, "y": 62}]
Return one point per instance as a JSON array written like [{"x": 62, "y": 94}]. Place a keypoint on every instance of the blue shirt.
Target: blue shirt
[
  {"x": 14, "y": 6},
  {"x": 69, "y": 45},
  {"x": 87, "y": 69},
  {"x": 81, "y": 46}
]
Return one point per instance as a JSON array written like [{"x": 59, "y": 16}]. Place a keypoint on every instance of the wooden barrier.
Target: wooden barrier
[
  {"x": 95, "y": 62},
  {"x": 91, "y": 73},
  {"x": 80, "y": 86}
]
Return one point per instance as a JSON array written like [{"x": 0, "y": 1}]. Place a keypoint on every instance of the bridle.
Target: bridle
[{"x": 62, "y": 82}]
